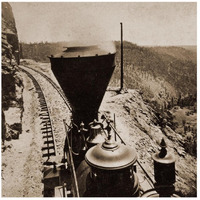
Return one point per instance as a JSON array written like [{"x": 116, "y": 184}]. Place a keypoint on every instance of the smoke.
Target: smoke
[
  {"x": 108, "y": 46},
  {"x": 103, "y": 46}
]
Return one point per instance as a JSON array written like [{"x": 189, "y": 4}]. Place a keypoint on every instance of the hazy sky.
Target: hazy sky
[{"x": 144, "y": 23}]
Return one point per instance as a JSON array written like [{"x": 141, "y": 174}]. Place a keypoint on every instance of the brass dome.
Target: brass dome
[{"x": 110, "y": 156}]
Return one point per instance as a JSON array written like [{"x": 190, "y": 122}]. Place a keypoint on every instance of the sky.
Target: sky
[{"x": 152, "y": 24}]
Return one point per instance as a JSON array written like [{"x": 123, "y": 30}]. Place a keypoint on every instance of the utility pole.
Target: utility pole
[{"x": 122, "y": 70}]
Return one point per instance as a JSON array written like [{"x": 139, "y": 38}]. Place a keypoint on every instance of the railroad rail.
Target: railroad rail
[
  {"x": 58, "y": 88},
  {"x": 49, "y": 148}
]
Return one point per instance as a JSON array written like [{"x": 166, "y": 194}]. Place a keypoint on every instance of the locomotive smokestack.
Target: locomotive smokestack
[{"x": 122, "y": 81}]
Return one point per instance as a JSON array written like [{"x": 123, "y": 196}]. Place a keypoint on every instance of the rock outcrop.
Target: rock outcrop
[{"x": 12, "y": 85}]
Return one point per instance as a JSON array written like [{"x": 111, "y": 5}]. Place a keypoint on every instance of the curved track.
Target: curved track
[
  {"x": 59, "y": 90},
  {"x": 49, "y": 148}
]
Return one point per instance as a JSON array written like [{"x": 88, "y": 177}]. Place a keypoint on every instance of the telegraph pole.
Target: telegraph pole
[{"x": 122, "y": 70}]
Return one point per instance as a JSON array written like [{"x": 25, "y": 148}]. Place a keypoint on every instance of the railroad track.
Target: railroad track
[
  {"x": 49, "y": 147},
  {"x": 59, "y": 90}
]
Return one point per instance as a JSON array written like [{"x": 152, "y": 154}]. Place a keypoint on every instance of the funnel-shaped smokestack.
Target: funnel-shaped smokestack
[{"x": 84, "y": 73}]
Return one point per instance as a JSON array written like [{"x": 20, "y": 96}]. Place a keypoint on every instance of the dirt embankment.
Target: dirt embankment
[{"x": 22, "y": 159}]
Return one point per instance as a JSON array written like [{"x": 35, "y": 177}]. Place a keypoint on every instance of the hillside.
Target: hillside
[
  {"x": 191, "y": 48},
  {"x": 160, "y": 73},
  {"x": 183, "y": 53}
]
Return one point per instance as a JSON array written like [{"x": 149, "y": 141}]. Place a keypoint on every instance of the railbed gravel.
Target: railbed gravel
[{"x": 58, "y": 110}]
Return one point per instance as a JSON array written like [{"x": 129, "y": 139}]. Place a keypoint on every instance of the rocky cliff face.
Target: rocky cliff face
[{"x": 12, "y": 86}]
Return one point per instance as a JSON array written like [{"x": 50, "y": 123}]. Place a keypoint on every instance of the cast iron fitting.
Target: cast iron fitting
[{"x": 163, "y": 151}]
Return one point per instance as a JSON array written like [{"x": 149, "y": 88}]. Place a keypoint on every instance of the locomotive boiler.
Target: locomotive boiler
[{"x": 96, "y": 162}]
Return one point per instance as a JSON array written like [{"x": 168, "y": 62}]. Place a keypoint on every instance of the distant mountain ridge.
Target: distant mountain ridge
[{"x": 183, "y": 53}]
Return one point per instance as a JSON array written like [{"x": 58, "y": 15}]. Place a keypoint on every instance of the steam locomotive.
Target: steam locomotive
[{"x": 95, "y": 161}]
